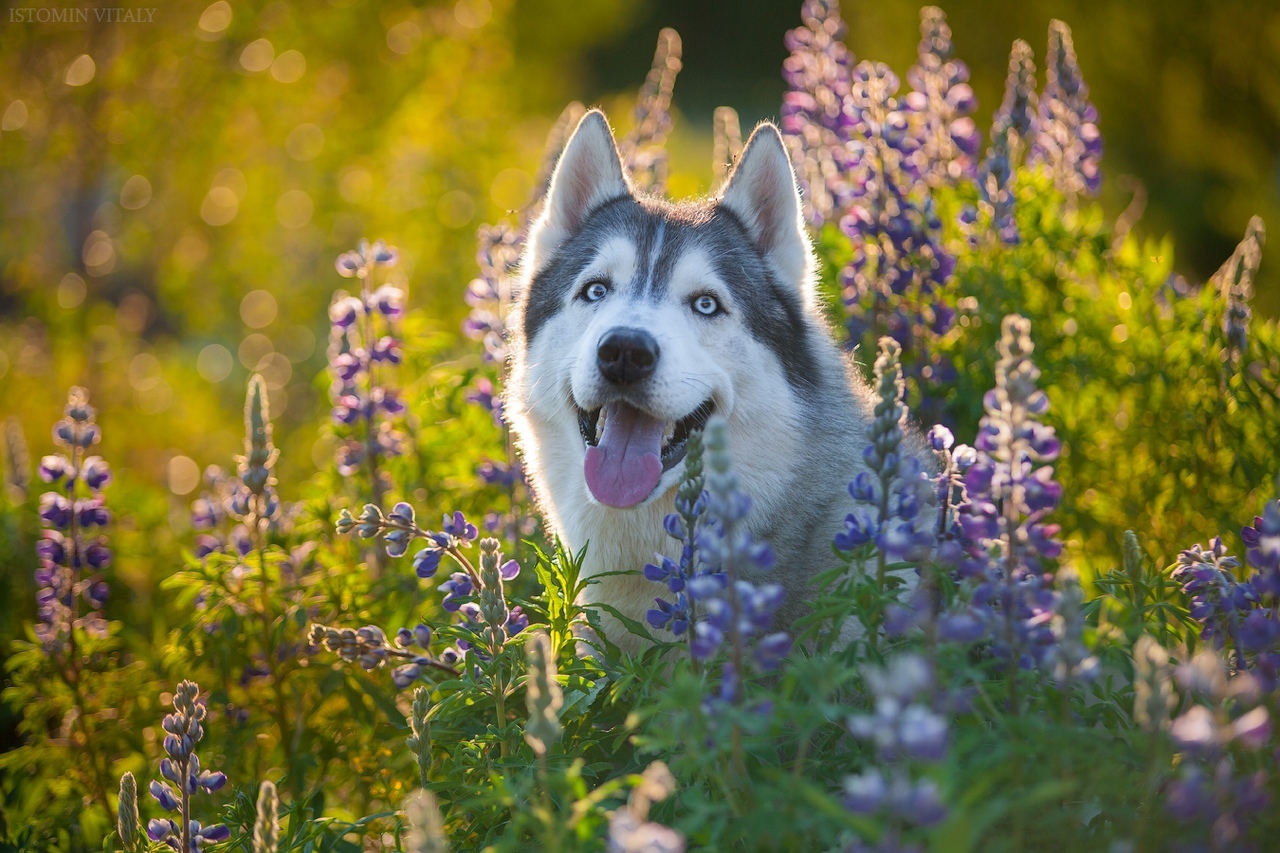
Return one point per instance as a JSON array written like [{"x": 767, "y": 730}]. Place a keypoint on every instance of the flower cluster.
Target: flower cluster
[
  {"x": 1014, "y": 125},
  {"x": 1011, "y": 491},
  {"x": 181, "y": 768},
  {"x": 816, "y": 120},
  {"x": 721, "y": 553},
  {"x": 891, "y": 494},
  {"x": 490, "y": 294},
  {"x": 644, "y": 148},
  {"x": 892, "y": 223},
  {"x": 905, "y": 730},
  {"x": 249, "y": 498},
  {"x": 893, "y": 281},
  {"x": 940, "y": 105},
  {"x": 363, "y": 337},
  {"x": 1067, "y": 139},
  {"x": 684, "y": 524},
  {"x": 1211, "y": 788},
  {"x": 368, "y": 647},
  {"x": 72, "y": 549},
  {"x": 1242, "y": 616},
  {"x": 1219, "y": 600},
  {"x": 1018, "y": 113},
  {"x": 479, "y": 595}
]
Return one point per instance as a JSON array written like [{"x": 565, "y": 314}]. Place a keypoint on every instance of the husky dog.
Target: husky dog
[{"x": 636, "y": 320}]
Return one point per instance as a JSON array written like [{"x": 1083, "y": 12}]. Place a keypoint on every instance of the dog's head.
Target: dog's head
[{"x": 638, "y": 318}]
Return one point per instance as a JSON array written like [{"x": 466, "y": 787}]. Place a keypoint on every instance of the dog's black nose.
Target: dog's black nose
[{"x": 627, "y": 355}]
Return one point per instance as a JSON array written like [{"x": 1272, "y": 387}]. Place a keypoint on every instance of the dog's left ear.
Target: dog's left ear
[{"x": 762, "y": 193}]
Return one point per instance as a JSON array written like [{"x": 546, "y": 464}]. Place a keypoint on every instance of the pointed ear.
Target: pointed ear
[
  {"x": 762, "y": 193},
  {"x": 588, "y": 173}
]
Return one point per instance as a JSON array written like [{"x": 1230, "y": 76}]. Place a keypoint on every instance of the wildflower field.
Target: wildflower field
[{"x": 355, "y": 634}]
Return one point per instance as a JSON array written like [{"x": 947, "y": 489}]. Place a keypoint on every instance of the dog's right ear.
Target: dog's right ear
[{"x": 588, "y": 173}]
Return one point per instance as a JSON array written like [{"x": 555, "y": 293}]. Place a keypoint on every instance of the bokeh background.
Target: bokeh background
[{"x": 173, "y": 191}]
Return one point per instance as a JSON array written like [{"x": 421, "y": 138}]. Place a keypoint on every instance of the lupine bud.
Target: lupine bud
[
  {"x": 266, "y": 824},
  {"x": 419, "y": 742},
  {"x": 128, "y": 824}
]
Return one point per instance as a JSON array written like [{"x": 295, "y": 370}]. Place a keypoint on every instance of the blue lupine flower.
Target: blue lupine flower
[
  {"x": 890, "y": 495},
  {"x": 363, "y": 336},
  {"x": 1067, "y": 141},
  {"x": 816, "y": 113},
  {"x": 940, "y": 105},
  {"x": 181, "y": 768},
  {"x": 70, "y": 593},
  {"x": 1011, "y": 491},
  {"x": 893, "y": 281}
]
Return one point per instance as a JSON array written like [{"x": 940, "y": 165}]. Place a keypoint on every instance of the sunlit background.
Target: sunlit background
[{"x": 172, "y": 193}]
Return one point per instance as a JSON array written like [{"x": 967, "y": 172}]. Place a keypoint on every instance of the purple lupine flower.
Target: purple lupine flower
[
  {"x": 183, "y": 776},
  {"x": 816, "y": 119},
  {"x": 1007, "y": 540},
  {"x": 902, "y": 724},
  {"x": 363, "y": 344},
  {"x": 1219, "y": 600},
  {"x": 72, "y": 548},
  {"x": 684, "y": 525},
  {"x": 1212, "y": 789},
  {"x": 893, "y": 281},
  {"x": 490, "y": 295},
  {"x": 1067, "y": 141},
  {"x": 731, "y": 609},
  {"x": 644, "y": 148},
  {"x": 996, "y": 186},
  {"x": 891, "y": 494},
  {"x": 908, "y": 731},
  {"x": 1018, "y": 112},
  {"x": 1240, "y": 615},
  {"x": 940, "y": 105}
]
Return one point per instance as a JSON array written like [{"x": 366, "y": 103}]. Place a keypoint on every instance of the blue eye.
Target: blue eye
[
  {"x": 706, "y": 305},
  {"x": 595, "y": 291}
]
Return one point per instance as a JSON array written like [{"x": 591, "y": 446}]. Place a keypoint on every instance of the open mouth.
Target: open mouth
[{"x": 628, "y": 450}]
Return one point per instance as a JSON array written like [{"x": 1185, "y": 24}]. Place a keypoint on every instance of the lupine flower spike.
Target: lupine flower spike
[
  {"x": 364, "y": 342},
  {"x": 816, "y": 111},
  {"x": 1067, "y": 141},
  {"x": 128, "y": 823},
  {"x": 894, "y": 280},
  {"x": 644, "y": 149},
  {"x": 726, "y": 144},
  {"x": 732, "y": 610},
  {"x": 72, "y": 549},
  {"x": 906, "y": 732},
  {"x": 941, "y": 103},
  {"x": 1008, "y": 541},
  {"x": 419, "y": 741},
  {"x": 181, "y": 767},
  {"x": 892, "y": 493},
  {"x": 266, "y": 824}
]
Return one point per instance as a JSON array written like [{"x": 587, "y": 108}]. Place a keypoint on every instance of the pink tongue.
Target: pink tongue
[{"x": 624, "y": 468}]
